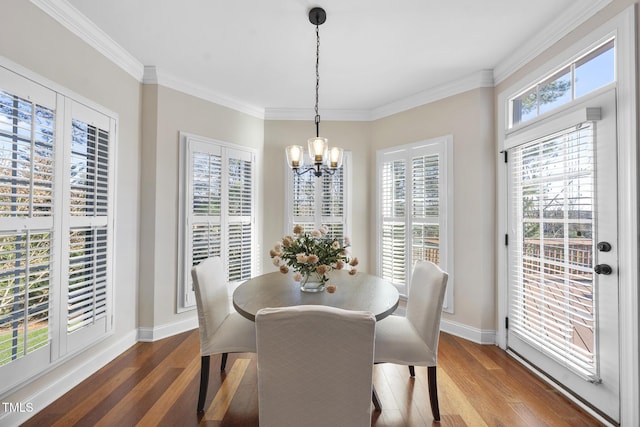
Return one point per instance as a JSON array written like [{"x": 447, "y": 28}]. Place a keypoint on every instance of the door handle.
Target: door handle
[
  {"x": 604, "y": 246},
  {"x": 603, "y": 269}
]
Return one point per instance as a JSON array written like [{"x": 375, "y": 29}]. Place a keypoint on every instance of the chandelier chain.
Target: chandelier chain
[
  {"x": 317, "y": 119},
  {"x": 324, "y": 159}
]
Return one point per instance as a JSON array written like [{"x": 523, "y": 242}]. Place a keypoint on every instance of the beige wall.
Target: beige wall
[
  {"x": 352, "y": 136},
  {"x": 147, "y": 179},
  {"x": 167, "y": 113},
  {"x": 469, "y": 118},
  {"x": 36, "y": 42}
]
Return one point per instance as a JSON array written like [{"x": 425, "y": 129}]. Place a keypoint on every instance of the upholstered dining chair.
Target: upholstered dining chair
[
  {"x": 315, "y": 366},
  {"x": 221, "y": 330},
  {"x": 413, "y": 340}
]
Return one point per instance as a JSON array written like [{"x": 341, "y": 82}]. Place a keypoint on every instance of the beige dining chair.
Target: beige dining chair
[
  {"x": 413, "y": 340},
  {"x": 221, "y": 330},
  {"x": 315, "y": 366}
]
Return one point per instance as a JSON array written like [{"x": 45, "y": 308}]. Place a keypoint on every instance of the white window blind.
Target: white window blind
[
  {"x": 206, "y": 191},
  {"x": 217, "y": 210},
  {"x": 425, "y": 208},
  {"x": 313, "y": 201},
  {"x": 393, "y": 202},
  {"x": 56, "y": 223},
  {"x": 88, "y": 233},
  {"x": 414, "y": 216},
  {"x": 553, "y": 307},
  {"x": 26, "y": 226},
  {"x": 240, "y": 215}
]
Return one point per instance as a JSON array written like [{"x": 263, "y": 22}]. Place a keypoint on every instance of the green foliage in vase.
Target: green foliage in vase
[{"x": 312, "y": 253}]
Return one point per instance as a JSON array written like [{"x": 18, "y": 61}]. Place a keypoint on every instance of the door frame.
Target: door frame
[{"x": 623, "y": 26}]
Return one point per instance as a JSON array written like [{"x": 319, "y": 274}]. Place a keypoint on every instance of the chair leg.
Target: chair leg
[
  {"x": 412, "y": 371},
  {"x": 204, "y": 381},
  {"x": 375, "y": 399},
  {"x": 223, "y": 362},
  {"x": 433, "y": 392}
]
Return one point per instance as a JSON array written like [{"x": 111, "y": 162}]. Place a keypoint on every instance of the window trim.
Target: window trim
[
  {"x": 62, "y": 346},
  {"x": 445, "y": 144},
  {"x": 623, "y": 27},
  {"x": 567, "y": 59},
  {"x": 186, "y": 299}
]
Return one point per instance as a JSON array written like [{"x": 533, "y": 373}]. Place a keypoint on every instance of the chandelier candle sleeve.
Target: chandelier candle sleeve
[
  {"x": 318, "y": 149},
  {"x": 334, "y": 159},
  {"x": 295, "y": 156}
]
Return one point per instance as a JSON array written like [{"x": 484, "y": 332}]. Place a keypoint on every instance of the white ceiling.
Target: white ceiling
[{"x": 373, "y": 52}]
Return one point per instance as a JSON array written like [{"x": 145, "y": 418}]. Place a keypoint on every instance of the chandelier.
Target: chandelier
[{"x": 323, "y": 158}]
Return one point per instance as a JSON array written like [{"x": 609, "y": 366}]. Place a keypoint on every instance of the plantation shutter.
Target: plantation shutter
[
  {"x": 393, "y": 205},
  {"x": 320, "y": 201},
  {"x": 206, "y": 205},
  {"x": 303, "y": 200},
  {"x": 240, "y": 214},
  {"x": 56, "y": 160},
  {"x": 89, "y": 234},
  {"x": 425, "y": 208},
  {"x": 552, "y": 294},
  {"x": 26, "y": 224},
  {"x": 414, "y": 213},
  {"x": 217, "y": 211},
  {"x": 204, "y": 209},
  {"x": 332, "y": 203}
]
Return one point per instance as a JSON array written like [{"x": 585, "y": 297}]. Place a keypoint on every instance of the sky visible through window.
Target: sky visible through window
[{"x": 592, "y": 71}]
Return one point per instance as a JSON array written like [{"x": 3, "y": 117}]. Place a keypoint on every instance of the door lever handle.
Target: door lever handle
[{"x": 603, "y": 269}]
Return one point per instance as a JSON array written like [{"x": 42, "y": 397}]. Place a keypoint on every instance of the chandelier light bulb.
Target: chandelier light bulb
[
  {"x": 295, "y": 156},
  {"x": 318, "y": 149},
  {"x": 334, "y": 159}
]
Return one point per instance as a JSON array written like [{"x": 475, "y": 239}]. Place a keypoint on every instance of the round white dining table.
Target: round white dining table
[{"x": 362, "y": 292}]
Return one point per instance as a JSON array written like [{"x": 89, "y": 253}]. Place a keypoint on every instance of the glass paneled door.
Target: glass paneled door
[{"x": 563, "y": 282}]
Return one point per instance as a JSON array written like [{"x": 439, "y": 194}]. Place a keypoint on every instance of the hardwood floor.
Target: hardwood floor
[{"x": 156, "y": 384}]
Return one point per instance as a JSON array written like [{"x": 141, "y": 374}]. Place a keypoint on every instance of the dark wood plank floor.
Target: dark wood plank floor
[{"x": 156, "y": 384}]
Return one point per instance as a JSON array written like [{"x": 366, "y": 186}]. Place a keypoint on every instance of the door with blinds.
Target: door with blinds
[{"x": 562, "y": 245}]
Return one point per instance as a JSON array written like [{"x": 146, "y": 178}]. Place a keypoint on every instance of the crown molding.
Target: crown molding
[
  {"x": 154, "y": 75},
  {"x": 74, "y": 21},
  {"x": 309, "y": 114},
  {"x": 69, "y": 17},
  {"x": 562, "y": 25},
  {"x": 477, "y": 80},
  {"x": 483, "y": 78}
]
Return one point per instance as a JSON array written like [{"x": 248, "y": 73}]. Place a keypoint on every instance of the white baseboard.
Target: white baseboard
[
  {"x": 479, "y": 336},
  {"x": 59, "y": 386},
  {"x": 167, "y": 330}
]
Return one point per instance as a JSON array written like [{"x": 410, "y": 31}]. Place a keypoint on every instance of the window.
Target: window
[
  {"x": 582, "y": 76},
  {"x": 217, "y": 209},
  {"x": 319, "y": 201},
  {"x": 414, "y": 211},
  {"x": 56, "y": 227}
]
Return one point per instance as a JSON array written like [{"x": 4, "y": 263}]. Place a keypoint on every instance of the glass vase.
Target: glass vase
[{"x": 312, "y": 282}]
